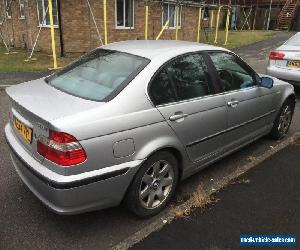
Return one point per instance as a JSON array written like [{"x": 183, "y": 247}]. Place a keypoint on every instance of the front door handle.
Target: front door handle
[
  {"x": 233, "y": 103},
  {"x": 177, "y": 116}
]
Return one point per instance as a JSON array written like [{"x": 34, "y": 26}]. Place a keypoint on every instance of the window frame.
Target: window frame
[
  {"x": 212, "y": 84},
  {"x": 44, "y": 11},
  {"x": 6, "y": 2},
  {"x": 179, "y": 20},
  {"x": 22, "y": 16},
  {"x": 124, "y": 27},
  {"x": 239, "y": 61}
]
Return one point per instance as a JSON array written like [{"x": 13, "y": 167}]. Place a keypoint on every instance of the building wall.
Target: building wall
[
  {"x": 13, "y": 28},
  {"x": 23, "y": 32},
  {"x": 296, "y": 23},
  {"x": 79, "y": 32}
]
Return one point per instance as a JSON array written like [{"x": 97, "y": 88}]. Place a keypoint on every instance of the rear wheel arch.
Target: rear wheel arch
[
  {"x": 171, "y": 149},
  {"x": 175, "y": 152}
]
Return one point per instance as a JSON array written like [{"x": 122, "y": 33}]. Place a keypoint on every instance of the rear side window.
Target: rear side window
[
  {"x": 98, "y": 74},
  {"x": 186, "y": 77},
  {"x": 161, "y": 89},
  {"x": 233, "y": 74}
]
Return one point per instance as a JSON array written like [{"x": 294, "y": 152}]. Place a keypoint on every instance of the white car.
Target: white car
[{"x": 284, "y": 62}]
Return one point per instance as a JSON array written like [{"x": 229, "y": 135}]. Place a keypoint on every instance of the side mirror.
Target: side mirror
[{"x": 266, "y": 82}]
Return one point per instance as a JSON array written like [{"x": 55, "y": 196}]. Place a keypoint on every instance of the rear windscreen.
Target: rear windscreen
[
  {"x": 294, "y": 40},
  {"x": 98, "y": 74}
]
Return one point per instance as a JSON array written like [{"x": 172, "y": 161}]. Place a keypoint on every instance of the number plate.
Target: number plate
[
  {"x": 295, "y": 64},
  {"x": 23, "y": 130}
]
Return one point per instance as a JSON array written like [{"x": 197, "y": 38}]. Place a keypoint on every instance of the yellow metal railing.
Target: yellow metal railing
[{"x": 52, "y": 35}]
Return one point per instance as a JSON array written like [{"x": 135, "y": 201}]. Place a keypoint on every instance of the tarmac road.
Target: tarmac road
[
  {"x": 266, "y": 200},
  {"x": 25, "y": 223}
]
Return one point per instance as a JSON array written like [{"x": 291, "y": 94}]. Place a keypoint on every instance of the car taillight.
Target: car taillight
[
  {"x": 276, "y": 55},
  {"x": 61, "y": 148}
]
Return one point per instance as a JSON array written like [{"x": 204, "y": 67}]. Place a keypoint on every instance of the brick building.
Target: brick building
[
  {"x": 77, "y": 32},
  {"x": 75, "y": 29}
]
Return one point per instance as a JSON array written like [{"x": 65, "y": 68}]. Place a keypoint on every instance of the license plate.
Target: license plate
[
  {"x": 295, "y": 64},
  {"x": 23, "y": 130}
]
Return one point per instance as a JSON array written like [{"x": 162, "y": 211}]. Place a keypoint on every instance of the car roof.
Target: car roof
[{"x": 151, "y": 48}]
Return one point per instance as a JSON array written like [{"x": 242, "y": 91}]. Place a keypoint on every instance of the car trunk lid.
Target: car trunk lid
[{"x": 33, "y": 105}]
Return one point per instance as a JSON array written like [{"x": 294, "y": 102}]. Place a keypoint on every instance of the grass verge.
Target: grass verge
[
  {"x": 15, "y": 62},
  {"x": 236, "y": 38}
]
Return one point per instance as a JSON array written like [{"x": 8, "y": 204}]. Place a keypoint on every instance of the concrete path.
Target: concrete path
[
  {"x": 256, "y": 55},
  {"x": 18, "y": 77}
]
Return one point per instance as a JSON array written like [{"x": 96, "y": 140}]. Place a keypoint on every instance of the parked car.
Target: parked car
[
  {"x": 129, "y": 120},
  {"x": 284, "y": 62}
]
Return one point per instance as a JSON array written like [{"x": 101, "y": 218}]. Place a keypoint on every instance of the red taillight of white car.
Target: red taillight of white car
[
  {"x": 61, "y": 148},
  {"x": 276, "y": 55}
]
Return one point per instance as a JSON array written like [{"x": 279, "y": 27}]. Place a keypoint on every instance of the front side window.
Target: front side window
[
  {"x": 97, "y": 74},
  {"x": 190, "y": 76},
  {"x": 233, "y": 74},
  {"x": 8, "y": 4},
  {"x": 22, "y": 8},
  {"x": 43, "y": 12},
  {"x": 124, "y": 14},
  {"x": 182, "y": 79},
  {"x": 169, "y": 14}
]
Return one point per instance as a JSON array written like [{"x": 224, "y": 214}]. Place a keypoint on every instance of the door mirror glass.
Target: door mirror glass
[{"x": 266, "y": 82}]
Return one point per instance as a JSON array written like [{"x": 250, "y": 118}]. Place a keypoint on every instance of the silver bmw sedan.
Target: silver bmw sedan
[
  {"x": 128, "y": 121},
  {"x": 284, "y": 62}
]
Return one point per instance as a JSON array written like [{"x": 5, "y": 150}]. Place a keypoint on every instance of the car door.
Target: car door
[
  {"x": 183, "y": 92},
  {"x": 249, "y": 106}
]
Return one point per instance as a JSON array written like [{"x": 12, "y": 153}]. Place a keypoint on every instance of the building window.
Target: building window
[
  {"x": 205, "y": 14},
  {"x": 22, "y": 8},
  {"x": 124, "y": 14},
  {"x": 8, "y": 4},
  {"x": 43, "y": 13},
  {"x": 169, "y": 13}
]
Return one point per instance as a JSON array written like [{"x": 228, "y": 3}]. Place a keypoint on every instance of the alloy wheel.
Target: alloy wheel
[
  {"x": 156, "y": 184},
  {"x": 285, "y": 120}
]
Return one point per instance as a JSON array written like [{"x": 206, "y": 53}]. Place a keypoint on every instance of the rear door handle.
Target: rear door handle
[
  {"x": 233, "y": 103},
  {"x": 177, "y": 116}
]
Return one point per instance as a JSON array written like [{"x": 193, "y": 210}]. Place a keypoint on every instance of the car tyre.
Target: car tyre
[
  {"x": 283, "y": 120},
  {"x": 154, "y": 185}
]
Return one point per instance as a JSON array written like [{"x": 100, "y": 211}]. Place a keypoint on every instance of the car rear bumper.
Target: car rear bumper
[
  {"x": 289, "y": 75},
  {"x": 71, "y": 194}
]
